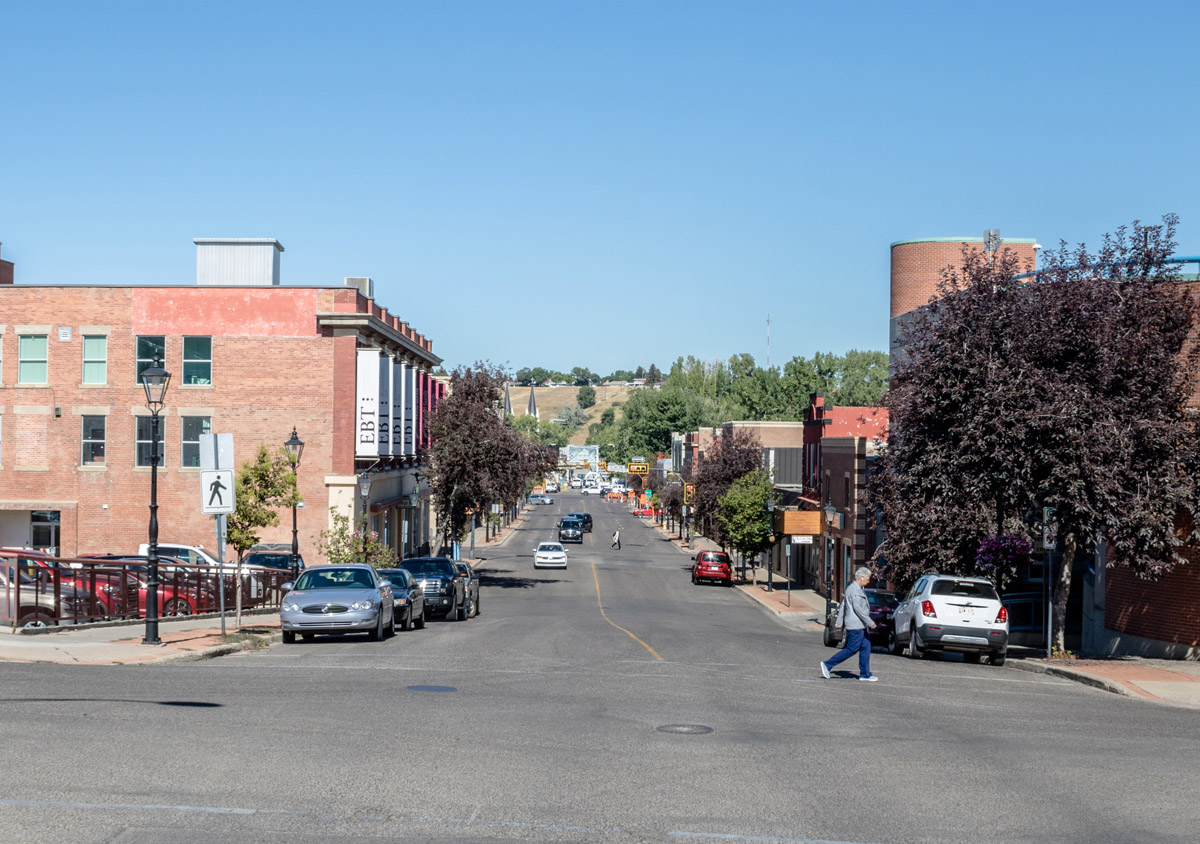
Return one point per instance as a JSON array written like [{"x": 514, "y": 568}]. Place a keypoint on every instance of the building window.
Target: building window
[
  {"x": 197, "y": 360},
  {"x": 95, "y": 359},
  {"x": 192, "y": 428},
  {"x": 144, "y": 430},
  {"x": 148, "y": 350},
  {"x": 93, "y": 441},
  {"x": 32, "y": 362}
]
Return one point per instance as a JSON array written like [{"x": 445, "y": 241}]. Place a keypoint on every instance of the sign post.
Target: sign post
[{"x": 217, "y": 498}]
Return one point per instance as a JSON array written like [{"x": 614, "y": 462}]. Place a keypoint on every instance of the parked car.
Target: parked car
[
  {"x": 37, "y": 606},
  {"x": 570, "y": 530},
  {"x": 471, "y": 578},
  {"x": 647, "y": 512},
  {"x": 590, "y": 490},
  {"x": 445, "y": 592},
  {"x": 117, "y": 585},
  {"x": 712, "y": 565},
  {"x": 943, "y": 612},
  {"x": 584, "y": 518},
  {"x": 549, "y": 555},
  {"x": 552, "y": 486},
  {"x": 576, "y": 483},
  {"x": 538, "y": 498},
  {"x": 338, "y": 599},
  {"x": 408, "y": 600},
  {"x": 881, "y": 606},
  {"x": 272, "y": 555}
]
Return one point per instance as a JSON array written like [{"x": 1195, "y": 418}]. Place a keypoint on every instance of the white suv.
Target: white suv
[{"x": 946, "y": 613}]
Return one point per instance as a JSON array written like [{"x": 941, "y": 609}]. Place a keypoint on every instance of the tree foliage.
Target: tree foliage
[
  {"x": 586, "y": 396},
  {"x": 341, "y": 546},
  {"x": 478, "y": 458},
  {"x": 730, "y": 457},
  {"x": 742, "y": 513},
  {"x": 263, "y": 484},
  {"x": 1064, "y": 390}
]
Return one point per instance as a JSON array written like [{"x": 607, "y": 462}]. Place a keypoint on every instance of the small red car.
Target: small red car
[
  {"x": 714, "y": 566},
  {"x": 648, "y": 512}
]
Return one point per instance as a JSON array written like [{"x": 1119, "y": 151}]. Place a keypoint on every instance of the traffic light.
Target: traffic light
[{"x": 689, "y": 494}]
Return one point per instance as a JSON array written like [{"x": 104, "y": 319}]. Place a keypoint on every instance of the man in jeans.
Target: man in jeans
[{"x": 855, "y": 612}]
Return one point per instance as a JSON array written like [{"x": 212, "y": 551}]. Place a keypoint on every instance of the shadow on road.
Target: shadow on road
[{"x": 513, "y": 581}]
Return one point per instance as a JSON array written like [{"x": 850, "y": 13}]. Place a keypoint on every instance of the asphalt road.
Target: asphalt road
[{"x": 613, "y": 701}]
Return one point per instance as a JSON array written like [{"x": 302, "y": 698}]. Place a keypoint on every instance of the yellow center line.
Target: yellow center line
[{"x": 604, "y": 615}]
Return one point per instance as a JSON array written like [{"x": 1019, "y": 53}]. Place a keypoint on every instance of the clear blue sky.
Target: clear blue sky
[{"x": 601, "y": 184}]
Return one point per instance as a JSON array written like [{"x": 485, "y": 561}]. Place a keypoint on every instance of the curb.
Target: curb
[
  {"x": 1076, "y": 676},
  {"x": 213, "y": 651}
]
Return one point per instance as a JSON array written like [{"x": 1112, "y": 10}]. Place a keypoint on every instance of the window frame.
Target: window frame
[
  {"x": 139, "y": 443},
  {"x": 185, "y": 443},
  {"x": 22, "y": 360},
  {"x": 103, "y": 361},
  {"x": 85, "y": 440},
  {"x": 140, "y": 363},
  {"x": 196, "y": 362}
]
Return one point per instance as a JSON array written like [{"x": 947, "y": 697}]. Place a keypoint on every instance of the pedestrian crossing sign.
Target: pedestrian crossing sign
[{"x": 216, "y": 492}]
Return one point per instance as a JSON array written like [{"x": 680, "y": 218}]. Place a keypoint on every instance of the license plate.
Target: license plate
[{"x": 966, "y": 611}]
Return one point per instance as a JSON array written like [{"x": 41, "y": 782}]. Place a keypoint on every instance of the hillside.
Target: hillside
[{"x": 550, "y": 401}]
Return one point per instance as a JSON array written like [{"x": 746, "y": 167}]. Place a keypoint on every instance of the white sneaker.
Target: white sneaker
[
  {"x": 824, "y": 671},
  {"x": 871, "y": 679}
]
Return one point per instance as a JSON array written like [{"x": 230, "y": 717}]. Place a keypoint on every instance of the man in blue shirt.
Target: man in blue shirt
[{"x": 855, "y": 614}]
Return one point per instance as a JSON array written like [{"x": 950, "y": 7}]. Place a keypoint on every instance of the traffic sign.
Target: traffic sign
[{"x": 216, "y": 492}]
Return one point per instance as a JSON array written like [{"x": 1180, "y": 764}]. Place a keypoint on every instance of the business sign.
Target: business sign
[
  {"x": 802, "y": 540},
  {"x": 397, "y": 414},
  {"x": 410, "y": 413},
  {"x": 639, "y": 468},
  {"x": 366, "y": 441}
]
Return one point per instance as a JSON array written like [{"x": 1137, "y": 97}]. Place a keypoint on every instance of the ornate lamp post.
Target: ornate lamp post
[
  {"x": 295, "y": 448},
  {"x": 155, "y": 380},
  {"x": 830, "y": 515},
  {"x": 771, "y": 538},
  {"x": 364, "y": 487}
]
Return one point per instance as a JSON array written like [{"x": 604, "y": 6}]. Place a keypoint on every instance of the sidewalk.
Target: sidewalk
[
  {"x": 498, "y": 538},
  {"x": 1165, "y": 681},
  {"x": 184, "y": 640}
]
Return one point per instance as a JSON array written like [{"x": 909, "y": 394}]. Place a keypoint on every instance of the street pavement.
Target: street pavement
[{"x": 613, "y": 701}]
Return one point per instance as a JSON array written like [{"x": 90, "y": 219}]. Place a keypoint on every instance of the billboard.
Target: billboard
[{"x": 577, "y": 454}]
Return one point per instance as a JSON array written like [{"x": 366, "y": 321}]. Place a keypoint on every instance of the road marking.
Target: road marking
[
  {"x": 767, "y": 838},
  {"x": 604, "y": 615}
]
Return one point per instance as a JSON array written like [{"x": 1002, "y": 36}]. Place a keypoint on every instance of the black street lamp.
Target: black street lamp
[
  {"x": 770, "y": 539},
  {"x": 830, "y": 514},
  {"x": 295, "y": 448},
  {"x": 364, "y": 487},
  {"x": 154, "y": 381}
]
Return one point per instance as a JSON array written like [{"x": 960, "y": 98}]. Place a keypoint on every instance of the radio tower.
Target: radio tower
[{"x": 768, "y": 341}]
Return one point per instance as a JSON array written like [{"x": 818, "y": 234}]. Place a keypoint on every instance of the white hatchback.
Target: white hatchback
[
  {"x": 549, "y": 555},
  {"x": 946, "y": 613}
]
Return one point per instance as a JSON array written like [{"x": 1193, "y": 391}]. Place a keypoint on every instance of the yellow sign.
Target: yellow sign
[
  {"x": 603, "y": 466},
  {"x": 639, "y": 468}
]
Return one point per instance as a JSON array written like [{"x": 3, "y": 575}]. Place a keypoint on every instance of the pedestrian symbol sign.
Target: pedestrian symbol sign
[{"x": 216, "y": 492}]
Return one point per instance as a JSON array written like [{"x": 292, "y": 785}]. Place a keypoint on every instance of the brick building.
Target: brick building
[
  {"x": 248, "y": 357},
  {"x": 1115, "y": 611}
]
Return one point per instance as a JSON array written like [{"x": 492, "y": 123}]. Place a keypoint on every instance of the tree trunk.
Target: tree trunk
[{"x": 1062, "y": 589}]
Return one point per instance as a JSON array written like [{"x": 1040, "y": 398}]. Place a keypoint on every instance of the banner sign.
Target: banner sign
[
  {"x": 397, "y": 417},
  {"x": 367, "y": 424},
  {"x": 385, "y": 405},
  {"x": 410, "y": 412}
]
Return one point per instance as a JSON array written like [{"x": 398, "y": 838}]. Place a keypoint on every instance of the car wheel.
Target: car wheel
[
  {"x": 827, "y": 637},
  {"x": 476, "y": 606},
  {"x": 997, "y": 659},
  {"x": 406, "y": 622},
  {"x": 391, "y": 628},
  {"x": 289, "y": 638},
  {"x": 36, "y": 618},
  {"x": 915, "y": 651},
  {"x": 420, "y": 622},
  {"x": 470, "y": 608},
  {"x": 893, "y": 643},
  {"x": 177, "y": 607},
  {"x": 460, "y": 612},
  {"x": 376, "y": 635},
  {"x": 972, "y": 657},
  {"x": 695, "y": 580}
]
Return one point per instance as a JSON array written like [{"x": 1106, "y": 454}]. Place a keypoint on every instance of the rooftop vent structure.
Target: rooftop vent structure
[{"x": 237, "y": 261}]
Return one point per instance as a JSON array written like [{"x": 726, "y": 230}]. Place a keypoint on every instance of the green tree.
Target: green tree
[
  {"x": 653, "y": 376},
  {"x": 263, "y": 484},
  {"x": 341, "y": 546},
  {"x": 742, "y": 513},
  {"x": 586, "y": 396},
  {"x": 730, "y": 457},
  {"x": 572, "y": 416}
]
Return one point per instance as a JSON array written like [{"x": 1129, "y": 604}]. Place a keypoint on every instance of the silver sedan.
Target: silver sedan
[{"x": 338, "y": 599}]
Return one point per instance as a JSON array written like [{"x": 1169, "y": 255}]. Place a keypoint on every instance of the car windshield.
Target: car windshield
[
  {"x": 271, "y": 560},
  {"x": 714, "y": 557},
  {"x": 441, "y": 567},
  {"x": 550, "y": 548},
  {"x": 882, "y": 599},
  {"x": 334, "y": 579},
  {"x": 964, "y": 589},
  {"x": 398, "y": 577},
  {"x": 572, "y": 523}
]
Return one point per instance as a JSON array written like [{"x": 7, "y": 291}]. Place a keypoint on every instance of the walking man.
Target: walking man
[
  {"x": 616, "y": 543},
  {"x": 855, "y": 613}
]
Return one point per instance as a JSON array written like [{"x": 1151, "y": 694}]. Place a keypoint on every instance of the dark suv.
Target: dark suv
[
  {"x": 445, "y": 592},
  {"x": 570, "y": 530},
  {"x": 585, "y": 518}
]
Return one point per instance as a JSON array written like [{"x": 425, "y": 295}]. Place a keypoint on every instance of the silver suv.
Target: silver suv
[{"x": 947, "y": 613}]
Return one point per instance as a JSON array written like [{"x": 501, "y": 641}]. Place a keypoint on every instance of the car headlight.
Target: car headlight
[
  {"x": 366, "y": 604},
  {"x": 292, "y": 607},
  {"x": 446, "y": 588}
]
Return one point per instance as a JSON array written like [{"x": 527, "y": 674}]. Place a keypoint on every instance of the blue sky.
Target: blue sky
[{"x": 595, "y": 184}]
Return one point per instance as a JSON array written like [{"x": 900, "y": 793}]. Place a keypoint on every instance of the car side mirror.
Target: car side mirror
[{"x": 287, "y": 587}]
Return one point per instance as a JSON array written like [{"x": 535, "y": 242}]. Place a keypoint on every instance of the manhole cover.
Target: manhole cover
[
  {"x": 432, "y": 689},
  {"x": 686, "y": 729}
]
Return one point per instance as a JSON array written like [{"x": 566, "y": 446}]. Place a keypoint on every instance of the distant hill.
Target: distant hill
[{"x": 550, "y": 402}]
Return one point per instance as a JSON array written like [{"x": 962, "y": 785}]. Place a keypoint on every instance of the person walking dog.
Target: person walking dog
[
  {"x": 855, "y": 613},
  {"x": 616, "y": 543}
]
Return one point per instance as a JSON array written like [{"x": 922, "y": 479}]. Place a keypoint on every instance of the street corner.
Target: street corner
[{"x": 1156, "y": 683}]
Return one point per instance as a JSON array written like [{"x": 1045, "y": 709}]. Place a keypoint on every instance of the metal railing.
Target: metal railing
[{"x": 40, "y": 590}]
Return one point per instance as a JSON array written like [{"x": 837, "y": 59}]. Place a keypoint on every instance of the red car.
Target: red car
[
  {"x": 714, "y": 566},
  {"x": 648, "y": 512},
  {"x": 114, "y": 586}
]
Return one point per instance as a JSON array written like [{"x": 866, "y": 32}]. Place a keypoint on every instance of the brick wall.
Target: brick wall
[
  {"x": 1167, "y": 609},
  {"x": 917, "y": 267}
]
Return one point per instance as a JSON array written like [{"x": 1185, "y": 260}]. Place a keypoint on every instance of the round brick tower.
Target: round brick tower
[{"x": 917, "y": 265}]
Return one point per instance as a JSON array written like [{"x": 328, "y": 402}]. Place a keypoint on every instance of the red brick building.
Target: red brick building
[{"x": 249, "y": 358}]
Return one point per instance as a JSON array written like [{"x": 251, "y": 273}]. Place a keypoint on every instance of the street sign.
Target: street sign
[
  {"x": 689, "y": 494},
  {"x": 1049, "y": 528},
  {"x": 216, "y": 452},
  {"x": 802, "y": 540},
  {"x": 216, "y": 492}
]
